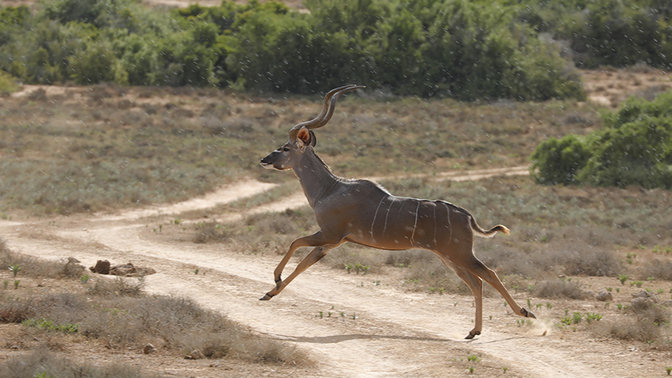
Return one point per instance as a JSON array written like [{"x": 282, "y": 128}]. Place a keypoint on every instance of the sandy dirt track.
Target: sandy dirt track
[{"x": 368, "y": 327}]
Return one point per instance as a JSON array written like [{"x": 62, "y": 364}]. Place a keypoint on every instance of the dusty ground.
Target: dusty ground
[
  {"x": 351, "y": 325},
  {"x": 610, "y": 87}
]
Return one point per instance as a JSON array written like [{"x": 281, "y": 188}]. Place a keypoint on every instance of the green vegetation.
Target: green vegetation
[
  {"x": 605, "y": 32},
  {"x": 634, "y": 148},
  {"x": 8, "y": 84},
  {"x": 413, "y": 47}
]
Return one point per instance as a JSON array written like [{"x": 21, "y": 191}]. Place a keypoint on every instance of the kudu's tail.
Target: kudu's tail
[{"x": 488, "y": 233}]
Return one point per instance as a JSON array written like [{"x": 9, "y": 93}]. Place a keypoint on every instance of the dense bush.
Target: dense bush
[
  {"x": 449, "y": 48},
  {"x": 635, "y": 148},
  {"x": 463, "y": 49},
  {"x": 606, "y": 32},
  {"x": 557, "y": 161}
]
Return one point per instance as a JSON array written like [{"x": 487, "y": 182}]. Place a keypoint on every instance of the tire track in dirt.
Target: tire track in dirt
[{"x": 390, "y": 322}]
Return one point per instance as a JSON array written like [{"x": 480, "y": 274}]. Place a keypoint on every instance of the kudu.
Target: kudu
[{"x": 363, "y": 212}]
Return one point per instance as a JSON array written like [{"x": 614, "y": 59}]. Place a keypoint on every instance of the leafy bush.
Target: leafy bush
[
  {"x": 635, "y": 148},
  {"x": 557, "y": 161},
  {"x": 604, "y": 32},
  {"x": 8, "y": 84}
]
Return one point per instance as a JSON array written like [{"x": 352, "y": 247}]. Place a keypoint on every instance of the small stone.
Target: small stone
[
  {"x": 149, "y": 348},
  {"x": 195, "y": 355},
  {"x": 604, "y": 295}
]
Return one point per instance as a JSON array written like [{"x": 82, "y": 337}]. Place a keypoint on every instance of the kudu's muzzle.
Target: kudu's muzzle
[{"x": 267, "y": 162}]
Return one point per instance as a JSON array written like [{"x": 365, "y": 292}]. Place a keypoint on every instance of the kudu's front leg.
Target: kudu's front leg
[{"x": 316, "y": 240}]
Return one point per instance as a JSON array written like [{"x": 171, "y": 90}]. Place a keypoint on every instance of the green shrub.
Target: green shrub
[
  {"x": 557, "y": 161},
  {"x": 635, "y": 148},
  {"x": 8, "y": 84}
]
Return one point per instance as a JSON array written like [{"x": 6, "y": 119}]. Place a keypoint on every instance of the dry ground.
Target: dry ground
[{"x": 351, "y": 325}]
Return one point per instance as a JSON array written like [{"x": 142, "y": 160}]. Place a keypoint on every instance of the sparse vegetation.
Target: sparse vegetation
[
  {"x": 44, "y": 363},
  {"x": 139, "y": 146},
  {"x": 120, "y": 316}
]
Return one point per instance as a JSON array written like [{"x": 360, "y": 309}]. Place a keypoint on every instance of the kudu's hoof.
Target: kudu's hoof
[
  {"x": 527, "y": 313},
  {"x": 472, "y": 334},
  {"x": 266, "y": 297}
]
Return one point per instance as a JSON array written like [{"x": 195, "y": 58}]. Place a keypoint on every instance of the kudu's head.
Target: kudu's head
[{"x": 301, "y": 136}]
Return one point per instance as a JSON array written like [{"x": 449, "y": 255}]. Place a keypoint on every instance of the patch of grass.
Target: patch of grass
[
  {"x": 647, "y": 322},
  {"x": 210, "y": 231},
  {"x": 118, "y": 314},
  {"x": 658, "y": 269},
  {"x": 121, "y": 147},
  {"x": 118, "y": 286}
]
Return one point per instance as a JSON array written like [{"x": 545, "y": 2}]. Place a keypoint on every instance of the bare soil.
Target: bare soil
[{"x": 350, "y": 325}]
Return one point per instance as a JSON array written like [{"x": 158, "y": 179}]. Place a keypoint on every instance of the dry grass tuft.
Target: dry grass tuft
[
  {"x": 117, "y": 287},
  {"x": 648, "y": 322},
  {"x": 559, "y": 289},
  {"x": 209, "y": 232},
  {"x": 658, "y": 269},
  {"x": 43, "y": 363}
]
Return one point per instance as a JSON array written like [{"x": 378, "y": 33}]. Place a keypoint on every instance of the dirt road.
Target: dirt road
[{"x": 352, "y": 325}]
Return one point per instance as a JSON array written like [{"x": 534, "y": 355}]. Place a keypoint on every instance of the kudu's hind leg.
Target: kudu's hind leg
[
  {"x": 476, "y": 286},
  {"x": 488, "y": 275}
]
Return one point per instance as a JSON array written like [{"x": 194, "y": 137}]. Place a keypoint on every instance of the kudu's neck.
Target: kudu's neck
[{"x": 315, "y": 177}]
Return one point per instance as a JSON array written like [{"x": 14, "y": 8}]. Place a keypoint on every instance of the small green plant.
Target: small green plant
[
  {"x": 668, "y": 370},
  {"x": 623, "y": 278},
  {"x": 15, "y": 269},
  {"x": 504, "y": 369},
  {"x": 566, "y": 320},
  {"x": 549, "y": 305},
  {"x": 84, "y": 278},
  {"x": 49, "y": 325},
  {"x": 473, "y": 358},
  {"x": 471, "y": 370},
  {"x": 636, "y": 283},
  {"x": 576, "y": 318},
  {"x": 196, "y": 271},
  {"x": 590, "y": 316},
  {"x": 16, "y": 284},
  {"x": 361, "y": 268},
  {"x": 5, "y": 284},
  {"x": 348, "y": 267}
]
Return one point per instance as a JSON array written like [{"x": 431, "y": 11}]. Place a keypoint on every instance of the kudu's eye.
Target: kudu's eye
[{"x": 285, "y": 149}]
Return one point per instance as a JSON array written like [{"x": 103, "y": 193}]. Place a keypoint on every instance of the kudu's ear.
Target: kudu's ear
[
  {"x": 313, "y": 138},
  {"x": 305, "y": 136}
]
